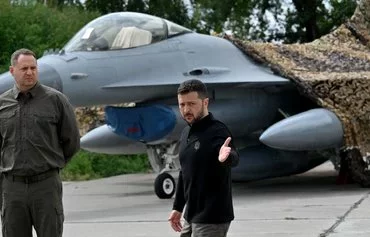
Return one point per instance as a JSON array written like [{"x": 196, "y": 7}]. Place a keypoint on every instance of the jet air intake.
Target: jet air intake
[{"x": 314, "y": 129}]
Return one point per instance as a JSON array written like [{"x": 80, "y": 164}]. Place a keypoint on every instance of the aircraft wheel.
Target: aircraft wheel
[{"x": 164, "y": 186}]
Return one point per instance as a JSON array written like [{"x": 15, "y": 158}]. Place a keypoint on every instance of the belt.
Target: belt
[{"x": 32, "y": 178}]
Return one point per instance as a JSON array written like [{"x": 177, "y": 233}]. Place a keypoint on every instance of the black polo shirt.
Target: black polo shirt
[{"x": 204, "y": 183}]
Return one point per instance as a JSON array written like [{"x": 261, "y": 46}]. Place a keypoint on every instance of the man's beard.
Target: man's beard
[{"x": 197, "y": 118}]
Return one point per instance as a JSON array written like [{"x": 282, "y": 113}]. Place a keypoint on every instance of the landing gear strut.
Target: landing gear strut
[{"x": 163, "y": 159}]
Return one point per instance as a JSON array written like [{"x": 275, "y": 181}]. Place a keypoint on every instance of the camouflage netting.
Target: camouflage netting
[
  {"x": 92, "y": 117},
  {"x": 333, "y": 70},
  {"x": 89, "y": 118}
]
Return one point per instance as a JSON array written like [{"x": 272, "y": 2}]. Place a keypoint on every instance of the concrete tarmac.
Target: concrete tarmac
[{"x": 306, "y": 205}]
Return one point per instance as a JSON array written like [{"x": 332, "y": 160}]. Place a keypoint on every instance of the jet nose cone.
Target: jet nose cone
[{"x": 6, "y": 82}]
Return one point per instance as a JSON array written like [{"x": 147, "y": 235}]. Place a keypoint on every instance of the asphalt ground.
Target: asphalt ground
[{"x": 306, "y": 205}]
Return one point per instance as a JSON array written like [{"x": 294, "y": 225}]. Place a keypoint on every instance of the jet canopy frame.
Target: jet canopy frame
[{"x": 122, "y": 30}]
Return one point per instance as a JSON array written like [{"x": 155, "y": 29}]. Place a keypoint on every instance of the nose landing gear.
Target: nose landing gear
[{"x": 164, "y": 159}]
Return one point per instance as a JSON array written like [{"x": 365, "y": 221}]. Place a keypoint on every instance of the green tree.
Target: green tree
[
  {"x": 49, "y": 3},
  {"x": 341, "y": 12},
  {"x": 264, "y": 12},
  {"x": 105, "y": 6},
  {"x": 37, "y": 27},
  {"x": 312, "y": 19},
  {"x": 173, "y": 10},
  {"x": 136, "y": 6},
  {"x": 210, "y": 15},
  {"x": 251, "y": 19}
]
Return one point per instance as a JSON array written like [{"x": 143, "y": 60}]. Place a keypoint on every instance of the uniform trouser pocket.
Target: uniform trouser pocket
[
  {"x": 47, "y": 208},
  {"x": 59, "y": 220}
]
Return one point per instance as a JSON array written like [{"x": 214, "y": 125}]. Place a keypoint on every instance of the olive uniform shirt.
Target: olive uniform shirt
[{"x": 38, "y": 130}]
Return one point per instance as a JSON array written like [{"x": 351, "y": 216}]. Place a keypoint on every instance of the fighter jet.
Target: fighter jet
[{"x": 132, "y": 63}]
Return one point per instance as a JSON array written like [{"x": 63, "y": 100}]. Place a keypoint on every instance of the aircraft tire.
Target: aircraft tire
[{"x": 164, "y": 186}]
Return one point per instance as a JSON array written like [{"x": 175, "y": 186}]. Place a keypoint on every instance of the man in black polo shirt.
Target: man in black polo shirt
[
  {"x": 206, "y": 157},
  {"x": 38, "y": 136}
]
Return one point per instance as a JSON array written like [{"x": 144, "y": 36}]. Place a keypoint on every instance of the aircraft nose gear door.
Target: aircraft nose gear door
[{"x": 163, "y": 159}]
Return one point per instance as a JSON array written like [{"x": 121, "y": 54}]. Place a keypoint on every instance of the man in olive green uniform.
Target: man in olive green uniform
[{"x": 38, "y": 136}]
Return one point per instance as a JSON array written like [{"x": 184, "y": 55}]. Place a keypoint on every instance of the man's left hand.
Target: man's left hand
[{"x": 224, "y": 150}]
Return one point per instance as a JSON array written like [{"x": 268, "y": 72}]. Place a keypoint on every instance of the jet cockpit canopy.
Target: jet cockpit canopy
[{"x": 122, "y": 30}]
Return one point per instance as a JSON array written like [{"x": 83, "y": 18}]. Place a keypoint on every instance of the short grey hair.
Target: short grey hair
[{"x": 17, "y": 53}]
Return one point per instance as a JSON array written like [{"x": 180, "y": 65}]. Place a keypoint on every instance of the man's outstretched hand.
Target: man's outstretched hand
[{"x": 224, "y": 150}]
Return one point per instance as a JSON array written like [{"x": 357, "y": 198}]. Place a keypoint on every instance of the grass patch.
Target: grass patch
[{"x": 88, "y": 165}]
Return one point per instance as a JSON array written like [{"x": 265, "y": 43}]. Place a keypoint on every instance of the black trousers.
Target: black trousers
[{"x": 38, "y": 204}]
